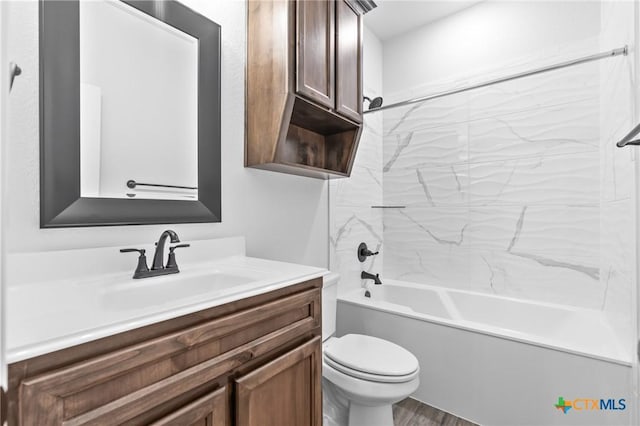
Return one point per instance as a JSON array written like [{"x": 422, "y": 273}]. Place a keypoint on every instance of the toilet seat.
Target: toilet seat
[{"x": 370, "y": 358}]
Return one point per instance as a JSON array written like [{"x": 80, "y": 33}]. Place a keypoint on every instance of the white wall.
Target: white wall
[
  {"x": 484, "y": 38},
  {"x": 352, "y": 219},
  {"x": 283, "y": 217}
]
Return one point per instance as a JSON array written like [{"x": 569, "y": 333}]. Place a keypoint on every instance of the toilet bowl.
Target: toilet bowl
[{"x": 362, "y": 375}]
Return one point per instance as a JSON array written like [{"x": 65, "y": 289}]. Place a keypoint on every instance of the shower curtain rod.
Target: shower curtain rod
[{"x": 610, "y": 53}]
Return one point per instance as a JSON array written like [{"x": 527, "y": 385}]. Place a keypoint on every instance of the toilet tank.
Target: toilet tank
[{"x": 329, "y": 304}]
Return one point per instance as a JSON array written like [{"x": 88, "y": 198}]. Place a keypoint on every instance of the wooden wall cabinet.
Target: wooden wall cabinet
[
  {"x": 315, "y": 37},
  {"x": 228, "y": 365},
  {"x": 348, "y": 62},
  {"x": 304, "y": 86}
]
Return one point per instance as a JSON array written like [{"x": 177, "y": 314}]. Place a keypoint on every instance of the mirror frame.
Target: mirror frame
[{"x": 60, "y": 202}]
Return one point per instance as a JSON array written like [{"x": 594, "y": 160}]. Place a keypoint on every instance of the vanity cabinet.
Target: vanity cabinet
[
  {"x": 229, "y": 365},
  {"x": 304, "y": 86}
]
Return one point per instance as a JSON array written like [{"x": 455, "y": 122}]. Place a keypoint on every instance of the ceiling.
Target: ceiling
[{"x": 394, "y": 17}]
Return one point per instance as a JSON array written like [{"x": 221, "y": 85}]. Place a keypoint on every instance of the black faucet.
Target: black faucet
[
  {"x": 158, "y": 257},
  {"x": 158, "y": 268},
  {"x": 367, "y": 276}
]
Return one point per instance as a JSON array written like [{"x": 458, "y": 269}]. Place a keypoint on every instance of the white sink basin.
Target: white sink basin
[
  {"x": 157, "y": 291},
  {"x": 72, "y": 298}
]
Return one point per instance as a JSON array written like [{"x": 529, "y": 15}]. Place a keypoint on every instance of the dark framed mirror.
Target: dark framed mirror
[{"x": 129, "y": 114}]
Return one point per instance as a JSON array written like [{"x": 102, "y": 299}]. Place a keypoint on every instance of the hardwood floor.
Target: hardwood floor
[{"x": 410, "y": 412}]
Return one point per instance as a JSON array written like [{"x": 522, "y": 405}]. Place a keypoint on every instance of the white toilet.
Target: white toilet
[{"x": 362, "y": 375}]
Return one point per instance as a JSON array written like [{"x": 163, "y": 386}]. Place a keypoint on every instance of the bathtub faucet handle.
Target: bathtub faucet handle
[{"x": 364, "y": 252}]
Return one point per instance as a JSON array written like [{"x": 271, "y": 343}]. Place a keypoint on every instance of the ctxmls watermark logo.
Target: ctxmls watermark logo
[{"x": 590, "y": 404}]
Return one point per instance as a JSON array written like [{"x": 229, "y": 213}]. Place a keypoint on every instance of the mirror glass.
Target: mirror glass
[
  {"x": 138, "y": 105},
  {"x": 129, "y": 114}
]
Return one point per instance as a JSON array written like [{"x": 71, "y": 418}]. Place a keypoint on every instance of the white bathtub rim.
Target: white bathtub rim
[
  {"x": 443, "y": 290},
  {"x": 356, "y": 298},
  {"x": 443, "y": 293}
]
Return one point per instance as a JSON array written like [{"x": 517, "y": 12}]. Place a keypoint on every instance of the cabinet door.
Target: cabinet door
[
  {"x": 210, "y": 410},
  {"x": 348, "y": 62},
  {"x": 315, "y": 77},
  {"x": 285, "y": 392}
]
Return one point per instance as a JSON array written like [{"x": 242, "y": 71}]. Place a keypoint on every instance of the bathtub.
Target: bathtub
[{"x": 497, "y": 360}]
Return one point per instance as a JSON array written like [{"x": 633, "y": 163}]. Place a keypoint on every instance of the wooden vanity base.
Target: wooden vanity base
[{"x": 256, "y": 361}]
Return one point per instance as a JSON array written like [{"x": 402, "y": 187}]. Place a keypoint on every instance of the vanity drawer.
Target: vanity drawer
[
  {"x": 210, "y": 409},
  {"x": 143, "y": 382}
]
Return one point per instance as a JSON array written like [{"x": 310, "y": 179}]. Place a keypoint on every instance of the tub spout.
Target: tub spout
[{"x": 367, "y": 276}]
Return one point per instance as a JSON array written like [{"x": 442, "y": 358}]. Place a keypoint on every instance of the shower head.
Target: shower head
[{"x": 373, "y": 103}]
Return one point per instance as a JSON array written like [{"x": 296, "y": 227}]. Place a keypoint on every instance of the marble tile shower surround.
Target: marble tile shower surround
[
  {"x": 618, "y": 114},
  {"x": 352, "y": 220},
  {"x": 517, "y": 189}
]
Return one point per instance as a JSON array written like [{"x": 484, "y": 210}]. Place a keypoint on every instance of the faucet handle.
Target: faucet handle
[
  {"x": 142, "y": 267},
  {"x": 131, "y": 250},
  {"x": 364, "y": 252},
  {"x": 171, "y": 262},
  {"x": 171, "y": 249}
]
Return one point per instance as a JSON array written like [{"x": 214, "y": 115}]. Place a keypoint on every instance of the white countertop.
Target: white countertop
[{"x": 48, "y": 315}]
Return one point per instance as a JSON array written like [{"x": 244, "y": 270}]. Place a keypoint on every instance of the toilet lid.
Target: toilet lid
[
  {"x": 328, "y": 362},
  {"x": 371, "y": 355}
]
